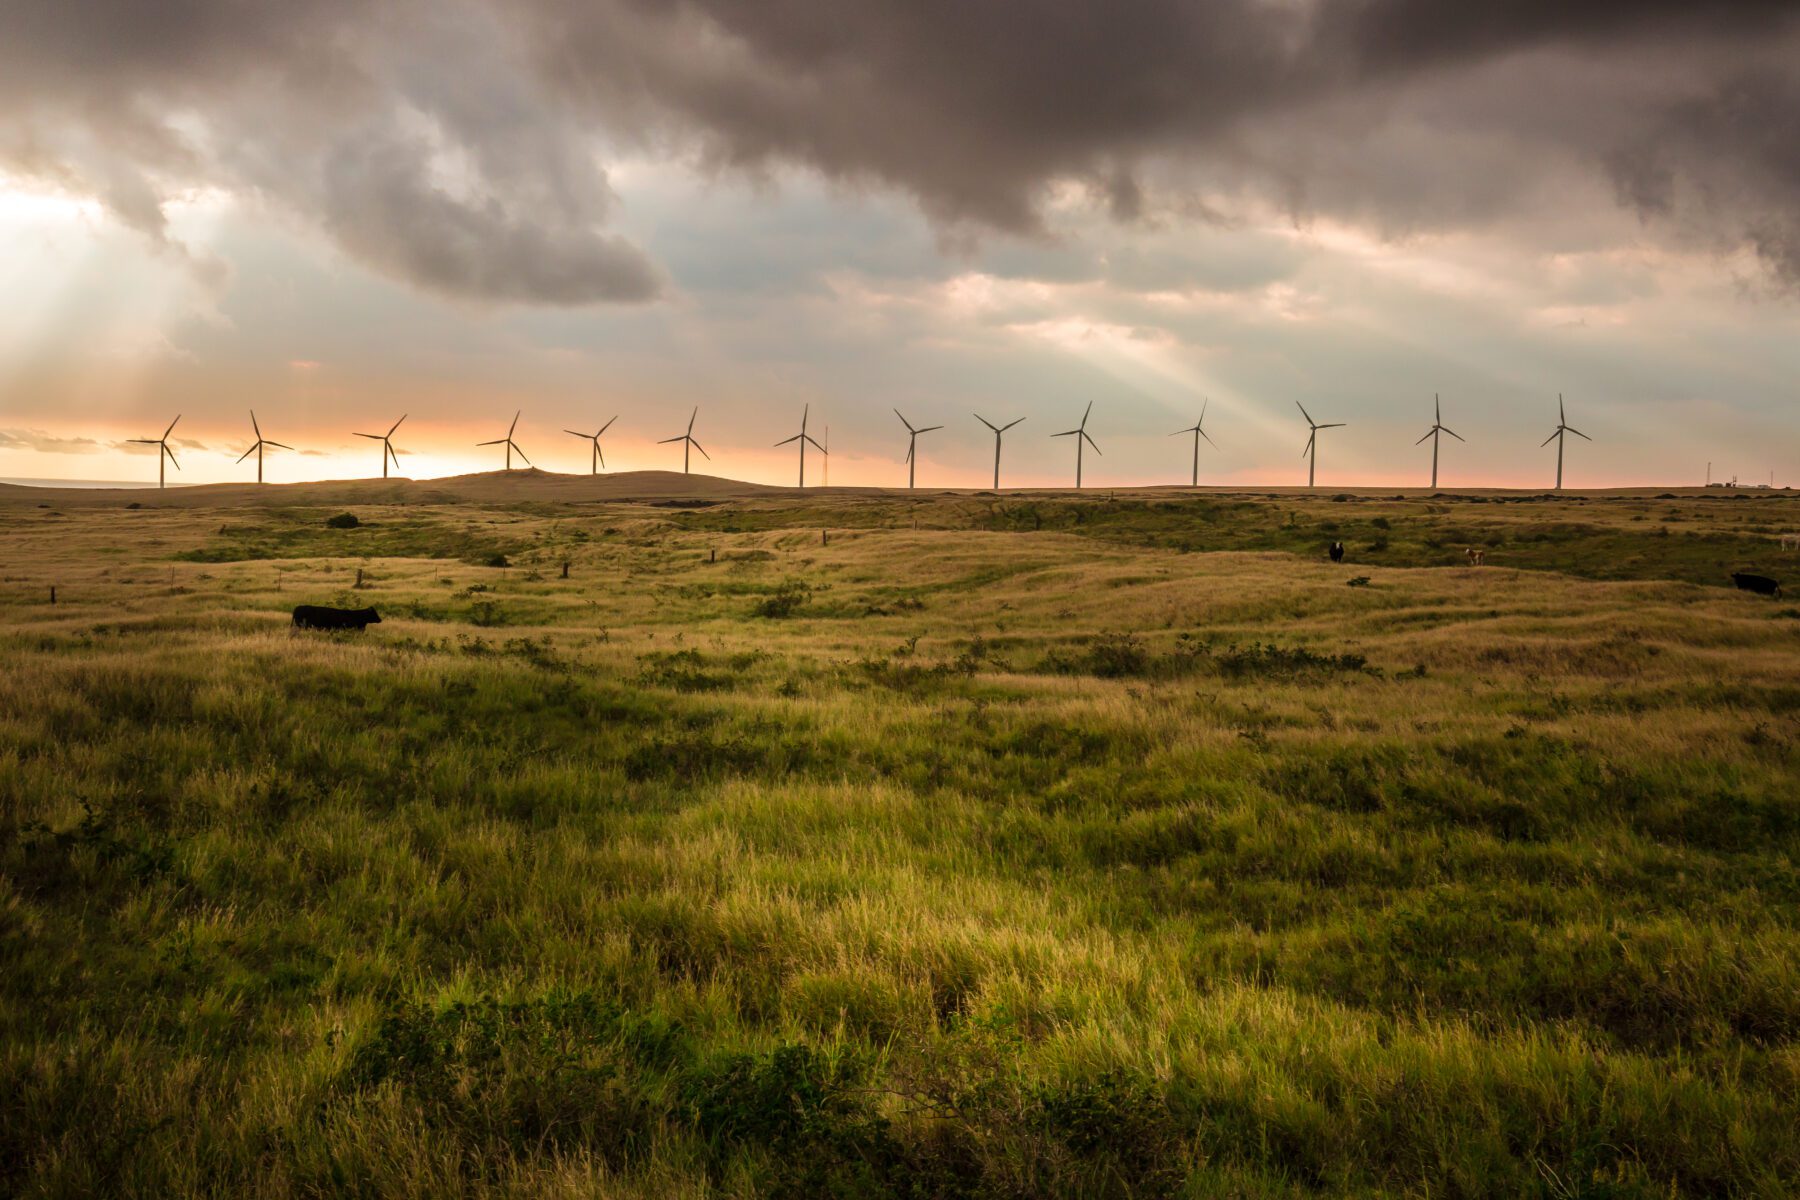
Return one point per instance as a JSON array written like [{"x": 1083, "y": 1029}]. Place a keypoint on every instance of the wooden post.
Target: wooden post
[
  {"x": 53, "y": 593},
  {"x": 712, "y": 555},
  {"x": 359, "y": 578},
  {"x": 565, "y": 573},
  {"x": 824, "y": 537}
]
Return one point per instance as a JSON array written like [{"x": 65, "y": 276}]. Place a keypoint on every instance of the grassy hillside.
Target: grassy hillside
[{"x": 995, "y": 846}]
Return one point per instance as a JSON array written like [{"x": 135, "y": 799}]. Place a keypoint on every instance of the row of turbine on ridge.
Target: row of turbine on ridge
[{"x": 804, "y": 439}]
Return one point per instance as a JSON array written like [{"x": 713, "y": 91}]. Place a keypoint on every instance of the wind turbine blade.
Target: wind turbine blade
[
  {"x": 145, "y": 441},
  {"x": 814, "y": 441},
  {"x": 691, "y": 418},
  {"x": 1066, "y": 433},
  {"x": 171, "y": 428},
  {"x": 702, "y": 450},
  {"x": 795, "y": 438},
  {"x": 1562, "y": 418},
  {"x": 278, "y": 445},
  {"x": 1459, "y": 437},
  {"x": 572, "y": 433},
  {"x": 1208, "y": 438},
  {"x": 599, "y": 452},
  {"x": 987, "y": 422},
  {"x": 518, "y": 451},
  {"x": 1334, "y": 425},
  {"x": 928, "y": 429},
  {"x": 905, "y": 422},
  {"x": 495, "y": 442},
  {"x": 171, "y": 455},
  {"x": 1206, "y": 400},
  {"x": 1179, "y": 432},
  {"x": 666, "y": 441},
  {"x": 1090, "y": 441},
  {"x": 1309, "y": 444},
  {"x": 248, "y": 453},
  {"x": 1303, "y": 412},
  {"x": 398, "y": 423},
  {"x": 1584, "y": 437},
  {"x": 1085, "y": 412},
  {"x": 909, "y": 453},
  {"x": 255, "y": 426},
  {"x": 1009, "y": 425},
  {"x": 392, "y": 453},
  {"x": 1551, "y": 438},
  {"x": 608, "y": 425},
  {"x": 376, "y": 437},
  {"x": 515, "y": 424},
  {"x": 1428, "y": 433}
]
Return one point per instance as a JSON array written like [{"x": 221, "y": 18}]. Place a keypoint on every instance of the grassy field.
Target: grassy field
[{"x": 989, "y": 846}]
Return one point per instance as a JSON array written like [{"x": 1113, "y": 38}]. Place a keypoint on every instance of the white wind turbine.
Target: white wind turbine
[
  {"x": 1311, "y": 453},
  {"x": 1080, "y": 434},
  {"x": 1562, "y": 427},
  {"x": 1199, "y": 431},
  {"x": 1437, "y": 427}
]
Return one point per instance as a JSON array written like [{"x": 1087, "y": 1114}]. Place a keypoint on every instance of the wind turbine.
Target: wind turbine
[
  {"x": 1199, "y": 431},
  {"x": 1312, "y": 442},
  {"x": 1562, "y": 427},
  {"x": 597, "y": 460},
  {"x": 257, "y": 449},
  {"x": 690, "y": 446},
  {"x": 1437, "y": 427},
  {"x": 163, "y": 443},
  {"x": 803, "y": 438},
  {"x": 508, "y": 442},
  {"x": 998, "y": 430},
  {"x": 387, "y": 445},
  {"x": 912, "y": 443},
  {"x": 1080, "y": 434}
]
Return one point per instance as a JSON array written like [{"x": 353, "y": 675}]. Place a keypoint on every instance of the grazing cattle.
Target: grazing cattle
[
  {"x": 317, "y": 616},
  {"x": 1337, "y": 552},
  {"x": 1760, "y": 584},
  {"x": 1790, "y": 541},
  {"x": 1476, "y": 557}
]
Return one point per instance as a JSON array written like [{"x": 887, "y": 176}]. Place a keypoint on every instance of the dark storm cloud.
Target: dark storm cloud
[
  {"x": 404, "y": 131},
  {"x": 453, "y": 144}
]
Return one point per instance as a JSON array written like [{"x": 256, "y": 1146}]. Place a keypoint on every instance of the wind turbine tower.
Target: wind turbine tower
[
  {"x": 1311, "y": 453},
  {"x": 1562, "y": 427},
  {"x": 162, "y": 444},
  {"x": 508, "y": 442},
  {"x": 257, "y": 448},
  {"x": 689, "y": 444},
  {"x": 1199, "y": 431},
  {"x": 912, "y": 445},
  {"x": 998, "y": 430},
  {"x": 597, "y": 459},
  {"x": 387, "y": 445},
  {"x": 1437, "y": 427}
]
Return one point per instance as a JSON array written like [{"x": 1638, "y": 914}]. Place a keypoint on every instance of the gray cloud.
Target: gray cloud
[
  {"x": 404, "y": 131},
  {"x": 44, "y": 443},
  {"x": 455, "y": 145}
]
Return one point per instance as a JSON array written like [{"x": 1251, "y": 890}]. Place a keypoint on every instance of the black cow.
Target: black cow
[
  {"x": 1761, "y": 584},
  {"x": 317, "y": 616},
  {"x": 1337, "y": 552}
]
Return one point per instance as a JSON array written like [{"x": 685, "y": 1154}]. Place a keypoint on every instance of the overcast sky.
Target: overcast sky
[{"x": 339, "y": 211}]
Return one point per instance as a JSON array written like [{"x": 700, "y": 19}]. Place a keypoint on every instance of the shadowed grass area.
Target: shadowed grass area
[{"x": 1020, "y": 853}]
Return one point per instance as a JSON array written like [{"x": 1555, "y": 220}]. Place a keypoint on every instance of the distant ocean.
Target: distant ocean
[{"x": 83, "y": 483}]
